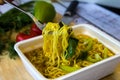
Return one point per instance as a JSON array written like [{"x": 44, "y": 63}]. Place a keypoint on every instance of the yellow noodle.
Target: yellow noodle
[
  {"x": 51, "y": 56},
  {"x": 57, "y": 43}
]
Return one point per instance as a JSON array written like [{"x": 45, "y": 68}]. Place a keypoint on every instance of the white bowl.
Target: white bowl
[{"x": 92, "y": 72}]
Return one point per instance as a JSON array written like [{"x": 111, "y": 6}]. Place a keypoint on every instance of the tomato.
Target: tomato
[
  {"x": 22, "y": 36},
  {"x": 35, "y": 31}
]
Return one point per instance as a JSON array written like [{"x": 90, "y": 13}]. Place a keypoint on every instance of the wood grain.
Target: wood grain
[{"x": 11, "y": 69}]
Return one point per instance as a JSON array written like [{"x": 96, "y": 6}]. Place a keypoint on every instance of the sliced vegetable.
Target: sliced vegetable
[
  {"x": 22, "y": 36},
  {"x": 94, "y": 58},
  {"x": 89, "y": 45},
  {"x": 105, "y": 52},
  {"x": 35, "y": 31},
  {"x": 84, "y": 53},
  {"x": 68, "y": 68},
  {"x": 71, "y": 47}
]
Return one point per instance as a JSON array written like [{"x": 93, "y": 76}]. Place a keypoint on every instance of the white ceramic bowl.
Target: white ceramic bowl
[{"x": 92, "y": 72}]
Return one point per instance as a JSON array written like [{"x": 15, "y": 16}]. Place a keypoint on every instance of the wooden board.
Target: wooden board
[{"x": 11, "y": 69}]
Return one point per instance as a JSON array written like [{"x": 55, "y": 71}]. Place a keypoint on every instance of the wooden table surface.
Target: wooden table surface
[{"x": 14, "y": 69}]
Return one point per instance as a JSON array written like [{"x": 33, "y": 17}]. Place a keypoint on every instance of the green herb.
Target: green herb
[
  {"x": 2, "y": 46},
  {"x": 12, "y": 53},
  {"x": 71, "y": 47},
  {"x": 13, "y": 20}
]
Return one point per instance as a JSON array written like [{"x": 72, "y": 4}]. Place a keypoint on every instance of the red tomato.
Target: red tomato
[
  {"x": 35, "y": 31},
  {"x": 22, "y": 36}
]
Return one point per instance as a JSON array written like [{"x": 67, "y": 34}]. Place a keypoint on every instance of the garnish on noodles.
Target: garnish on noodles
[{"x": 64, "y": 52}]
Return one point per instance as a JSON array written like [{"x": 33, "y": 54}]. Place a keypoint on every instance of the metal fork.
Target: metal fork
[{"x": 39, "y": 25}]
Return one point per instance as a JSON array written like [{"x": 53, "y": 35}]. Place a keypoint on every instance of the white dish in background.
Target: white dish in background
[{"x": 92, "y": 72}]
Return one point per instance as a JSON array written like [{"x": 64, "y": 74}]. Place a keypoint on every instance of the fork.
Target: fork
[{"x": 39, "y": 25}]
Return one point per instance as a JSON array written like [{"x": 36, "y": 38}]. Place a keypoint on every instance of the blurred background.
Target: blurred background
[
  {"x": 113, "y": 5},
  {"x": 110, "y": 3}
]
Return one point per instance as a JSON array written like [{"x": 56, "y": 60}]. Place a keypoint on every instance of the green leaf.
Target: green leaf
[
  {"x": 71, "y": 47},
  {"x": 13, "y": 54},
  {"x": 84, "y": 53},
  {"x": 15, "y": 18}
]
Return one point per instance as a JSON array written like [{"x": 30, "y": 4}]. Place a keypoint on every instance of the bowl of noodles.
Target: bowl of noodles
[{"x": 69, "y": 53}]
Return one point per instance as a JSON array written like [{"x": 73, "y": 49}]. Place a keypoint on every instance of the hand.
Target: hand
[{"x": 1, "y": 2}]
